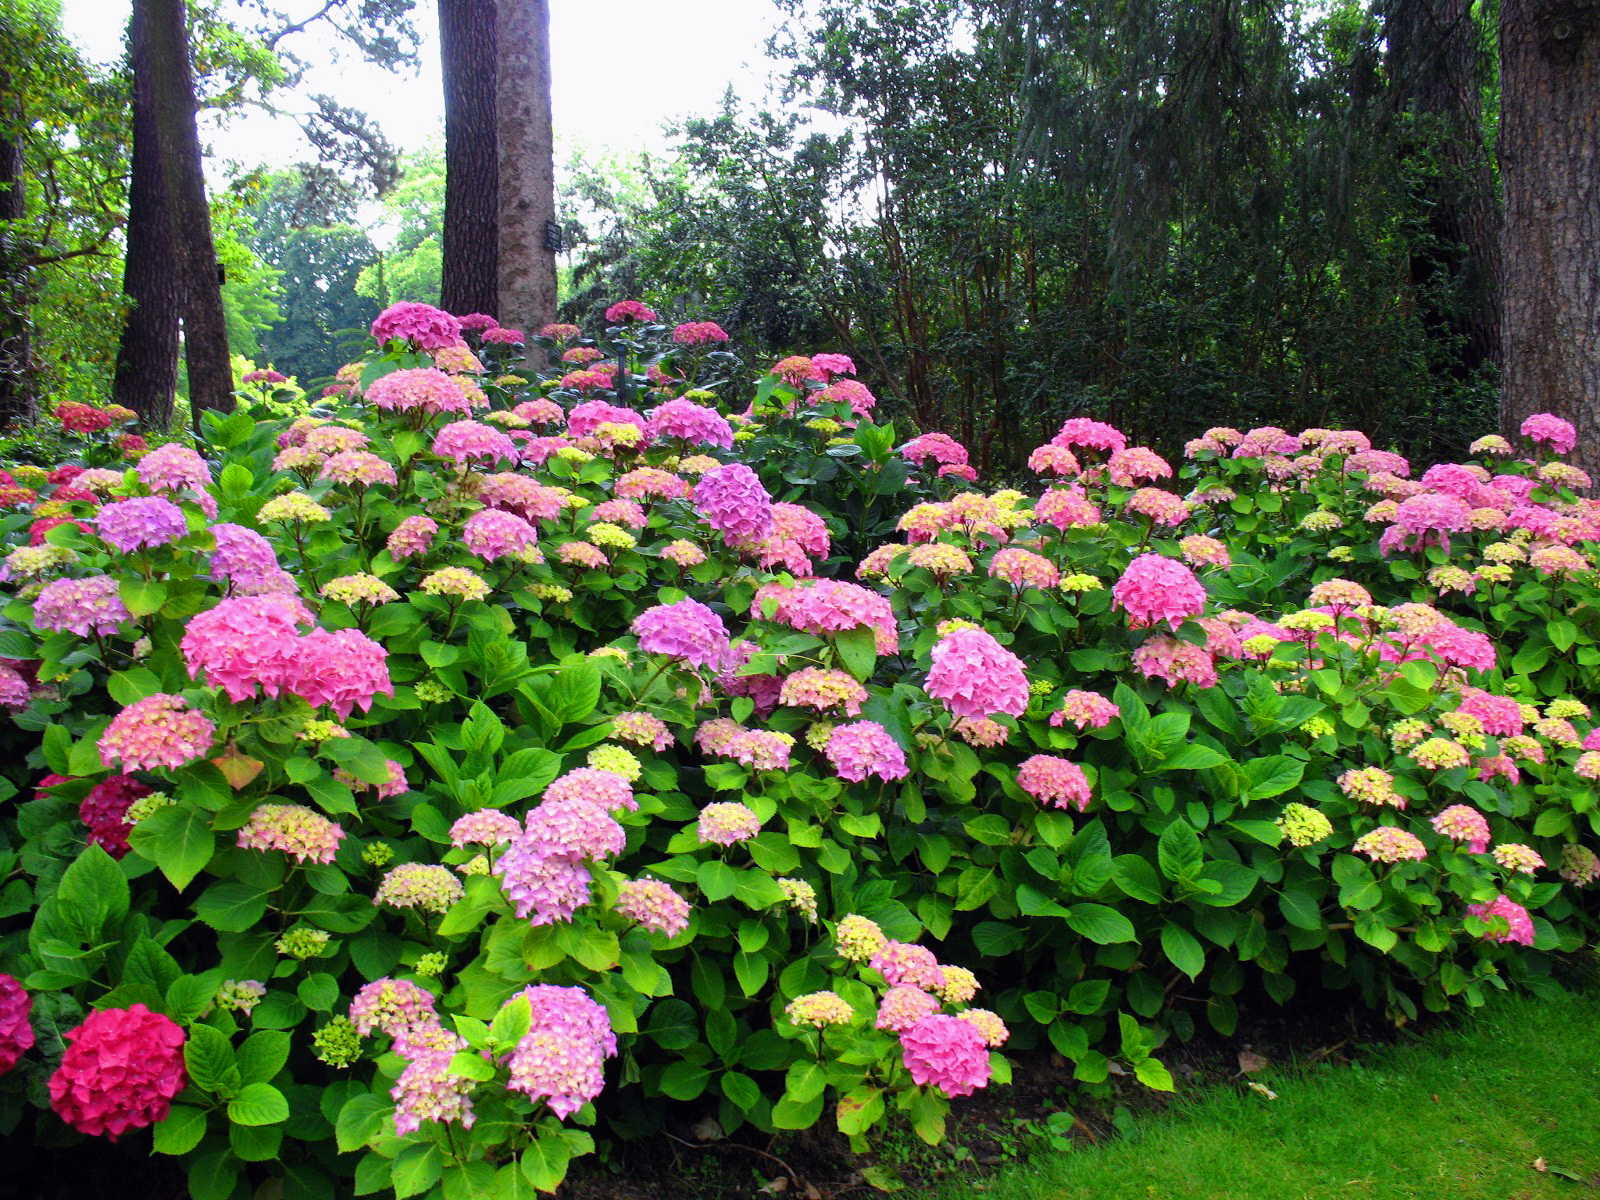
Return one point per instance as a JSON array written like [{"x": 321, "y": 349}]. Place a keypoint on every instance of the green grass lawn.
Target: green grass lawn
[{"x": 1461, "y": 1113}]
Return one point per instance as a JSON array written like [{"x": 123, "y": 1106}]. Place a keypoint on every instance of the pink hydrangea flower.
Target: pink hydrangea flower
[
  {"x": 1549, "y": 430},
  {"x": 624, "y": 311},
  {"x": 391, "y": 1006},
  {"x": 423, "y": 325},
  {"x": 247, "y": 563},
  {"x": 1464, "y": 825},
  {"x": 975, "y": 676},
  {"x": 1516, "y": 917},
  {"x": 829, "y": 365},
  {"x": 1067, "y": 508},
  {"x": 823, "y": 690},
  {"x": 342, "y": 669},
  {"x": 903, "y": 963},
  {"x": 732, "y": 501},
  {"x": 642, "y": 729},
  {"x": 1096, "y": 435},
  {"x": 827, "y": 606},
  {"x": 562, "y": 1057},
  {"x": 699, "y": 333},
  {"x": 121, "y": 1070},
  {"x": 937, "y": 447},
  {"x": 849, "y": 391},
  {"x": 465, "y": 442},
  {"x": 1155, "y": 588},
  {"x": 296, "y": 830},
  {"x": 1087, "y": 710},
  {"x": 947, "y": 1053},
  {"x": 486, "y": 827},
  {"x": 1024, "y": 569},
  {"x": 687, "y": 630},
  {"x": 172, "y": 468},
  {"x": 492, "y": 534},
  {"x": 727, "y": 823},
  {"x": 864, "y": 748},
  {"x": 16, "y": 1031},
  {"x": 83, "y": 606},
  {"x": 358, "y": 468},
  {"x": 246, "y": 641},
  {"x": 412, "y": 536},
  {"x": 140, "y": 522},
  {"x": 1054, "y": 780},
  {"x": 543, "y": 887},
  {"x": 428, "y": 1090},
  {"x": 158, "y": 731},
  {"x": 902, "y": 1007},
  {"x": 1390, "y": 845},
  {"x": 653, "y": 905},
  {"x": 419, "y": 389},
  {"x": 688, "y": 422}
]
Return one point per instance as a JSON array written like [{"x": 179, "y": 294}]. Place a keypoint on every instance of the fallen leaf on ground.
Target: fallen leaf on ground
[{"x": 1250, "y": 1062}]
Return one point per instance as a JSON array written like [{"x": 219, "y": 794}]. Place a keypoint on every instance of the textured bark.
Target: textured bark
[
  {"x": 205, "y": 330},
  {"x": 527, "y": 164},
  {"x": 147, "y": 356},
  {"x": 472, "y": 158},
  {"x": 17, "y": 402},
  {"x": 1437, "y": 74},
  {"x": 1550, "y": 247}
]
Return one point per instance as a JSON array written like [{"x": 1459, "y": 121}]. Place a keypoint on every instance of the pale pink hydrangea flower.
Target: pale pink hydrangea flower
[
  {"x": 423, "y": 325},
  {"x": 908, "y": 964},
  {"x": 492, "y": 534},
  {"x": 1067, "y": 508},
  {"x": 642, "y": 729},
  {"x": 688, "y": 422},
  {"x": 1514, "y": 856},
  {"x": 1095, "y": 435},
  {"x": 937, "y": 447},
  {"x": 1155, "y": 588},
  {"x": 158, "y": 731},
  {"x": 561, "y": 1059},
  {"x": 1127, "y": 466},
  {"x": 465, "y": 442},
  {"x": 419, "y": 389},
  {"x": 826, "y": 606},
  {"x": 141, "y": 522},
  {"x": 296, "y": 830},
  {"x": 1053, "y": 460},
  {"x": 977, "y": 677},
  {"x": 485, "y": 827},
  {"x": 1054, "y": 780},
  {"x": 1087, "y": 710},
  {"x": 654, "y": 905},
  {"x": 412, "y": 536},
  {"x": 335, "y": 439},
  {"x": 1201, "y": 551},
  {"x": 428, "y": 1090},
  {"x": 864, "y": 748},
  {"x": 1168, "y": 658},
  {"x": 902, "y": 1007},
  {"x": 819, "y": 1009},
  {"x": 1024, "y": 569},
  {"x": 727, "y": 823},
  {"x": 947, "y": 1053},
  {"x": 428, "y": 888},
  {"x": 1390, "y": 845},
  {"x": 358, "y": 468},
  {"x": 391, "y": 1006},
  {"x": 172, "y": 468},
  {"x": 1579, "y": 865},
  {"x": 1463, "y": 824},
  {"x": 823, "y": 690}
]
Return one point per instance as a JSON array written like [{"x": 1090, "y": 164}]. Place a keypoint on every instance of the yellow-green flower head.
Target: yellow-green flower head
[
  {"x": 337, "y": 1043},
  {"x": 552, "y": 592},
  {"x": 474, "y": 866},
  {"x": 1317, "y": 727},
  {"x": 432, "y": 965},
  {"x": 294, "y": 506},
  {"x": 1461, "y": 724},
  {"x": 377, "y": 854},
  {"x": 697, "y": 464},
  {"x": 1080, "y": 582},
  {"x": 145, "y": 805},
  {"x": 839, "y": 441},
  {"x": 819, "y": 1008},
  {"x": 1342, "y": 554},
  {"x": 240, "y": 995},
  {"x": 609, "y": 536},
  {"x": 573, "y": 454},
  {"x": 431, "y": 691},
  {"x": 1306, "y": 620},
  {"x": 1566, "y": 708},
  {"x": 948, "y": 626},
  {"x": 1494, "y": 573},
  {"x": 858, "y": 938},
  {"x": 613, "y": 758},
  {"x": 825, "y": 425},
  {"x": 817, "y": 735},
  {"x": 359, "y": 589},
  {"x": 1304, "y": 826},
  {"x": 573, "y": 500},
  {"x": 801, "y": 897},
  {"x": 1320, "y": 521},
  {"x": 616, "y": 652},
  {"x": 745, "y": 435},
  {"x": 1008, "y": 498},
  {"x": 302, "y": 943},
  {"x": 455, "y": 581},
  {"x": 321, "y": 731},
  {"x": 29, "y": 562},
  {"x": 1040, "y": 687},
  {"x": 1259, "y": 645},
  {"x": 510, "y": 380},
  {"x": 507, "y": 420},
  {"x": 700, "y": 395},
  {"x": 1505, "y": 552},
  {"x": 29, "y": 475},
  {"x": 1407, "y": 733},
  {"x": 614, "y": 433}
]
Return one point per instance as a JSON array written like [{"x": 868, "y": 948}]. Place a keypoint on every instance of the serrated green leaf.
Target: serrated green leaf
[
  {"x": 178, "y": 839},
  {"x": 181, "y": 1131},
  {"x": 258, "y": 1104}
]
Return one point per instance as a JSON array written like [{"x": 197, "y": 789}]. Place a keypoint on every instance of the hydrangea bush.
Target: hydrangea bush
[{"x": 409, "y": 794}]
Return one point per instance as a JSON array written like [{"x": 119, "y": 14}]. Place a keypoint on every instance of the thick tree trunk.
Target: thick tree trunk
[
  {"x": 527, "y": 164},
  {"x": 472, "y": 158},
  {"x": 17, "y": 402},
  {"x": 147, "y": 356},
  {"x": 1436, "y": 69},
  {"x": 205, "y": 330},
  {"x": 1550, "y": 247}
]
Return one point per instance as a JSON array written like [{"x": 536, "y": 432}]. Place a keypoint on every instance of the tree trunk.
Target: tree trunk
[
  {"x": 205, "y": 330},
  {"x": 472, "y": 158},
  {"x": 1550, "y": 244},
  {"x": 147, "y": 356},
  {"x": 1437, "y": 74},
  {"x": 527, "y": 164},
  {"x": 17, "y": 401}
]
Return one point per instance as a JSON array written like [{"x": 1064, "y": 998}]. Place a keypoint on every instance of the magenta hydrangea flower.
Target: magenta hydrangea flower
[
  {"x": 689, "y": 422},
  {"x": 864, "y": 748},
  {"x": 1067, "y": 508},
  {"x": 492, "y": 534},
  {"x": 585, "y": 418},
  {"x": 104, "y": 811},
  {"x": 423, "y": 325},
  {"x": 342, "y": 669},
  {"x": 848, "y": 391},
  {"x": 245, "y": 641},
  {"x": 296, "y": 830},
  {"x": 412, "y": 536},
  {"x": 699, "y": 333},
  {"x": 1516, "y": 917},
  {"x": 653, "y": 905},
  {"x": 158, "y": 731},
  {"x": 605, "y": 790},
  {"x": 1155, "y": 588},
  {"x": 140, "y": 522},
  {"x": 732, "y": 501},
  {"x": 1549, "y": 430},
  {"x": 826, "y": 606},
  {"x": 121, "y": 1070},
  {"x": 1164, "y": 656},
  {"x": 624, "y": 311},
  {"x": 1096, "y": 435},
  {"x": 428, "y": 1090},
  {"x": 976, "y": 677},
  {"x": 561, "y": 1059},
  {"x": 687, "y": 630},
  {"x": 16, "y": 1031},
  {"x": 1054, "y": 780},
  {"x": 908, "y": 964},
  {"x": 936, "y": 447},
  {"x": 1086, "y": 710},
  {"x": 947, "y": 1053},
  {"x": 465, "y": 442},
  {"x": 83, "y": 606}
]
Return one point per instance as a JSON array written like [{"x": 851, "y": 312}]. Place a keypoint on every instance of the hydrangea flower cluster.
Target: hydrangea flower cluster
[
  {"x": 141, "y": 523},
  {"x": 1154, "y": 588},
  {"x": 305, "y": 835},
  {"x": 561, "y": 1059},
  {"x": 158, "y": 731},
  {"x": 727, "y": 823},
  {"x": 121, "y": 1070},
  {"x": 422, "y": 325},
  {"x": 654, "y": 905},
  {"x": 947, "y": 1053},
  {"x": 92, "y": 605},
  {"x": 427, "y": 888},
  {"x": 16, "y": 1031},
  {"x": 1054, "y": 780},
  {"x": 864, "y": 748},
  {"x": 687, "y": 630}
]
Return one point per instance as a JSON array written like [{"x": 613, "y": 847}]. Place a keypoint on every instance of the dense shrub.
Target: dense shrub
[{"x": 458, "y": 773}]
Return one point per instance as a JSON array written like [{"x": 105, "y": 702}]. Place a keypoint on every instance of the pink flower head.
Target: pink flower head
[
  {"x": 392, "y": 1006},
  {"x": 1086, "y": 710},
  {"x": 1500, "y": 715},
  {"x": 975, "y": 676},
  {"x": 1066, "y": 508},
  {"x": 158, "y": 731},
  {"x": 1053, "y": 460},
  {"x": 561, "y": 1059},
  {"x": 492, "y": 534},
  {"x": 690, "y": 423},
  {"x": 1096, "y": 435},
  {"x": 412, "y": 536},
  {"x": 699, "y": 333},
  {"x": 625, "y": 311},
  {"x": 727, "y": 823},
  {"x": 141, "y": 522},
  {"x": 827, "y": 606},
  {"x": 477, "y": 322},
  {"x": 502, "y": 336},
  {"x": 731, "y": 500},
  {"x": 947, "y": 1053},
  {"x": 938, "y": 447},
  {"x": 246, "y": 561},
  {"x": 653, "y": 905},
  {"x": 1128, "y": 466},
  {"x": 824, "y": 691},
  {"x": 465, "y": 442},
  {"x": 1390, "y": 845},
  {"x": 864, "y": 748},
  {"x": 1166, "y": 657},
  {"x": 245, "y": 641},
  {"x": 83, "y": 606},
  {"x": 358, "y": 468},
  {"x": 1464, "y": 825},
  {"x": 604, "y": 790},
  {"x": 848, "y": 391},
  {"x": 420, "y": 389},
  {"x": 903, "y": 1006},
  {"x": 16, "y": 1031},
  {"x": 172, "y": 468},
  {"x": 485, "y": 827},
  {"x": 687, "y": 630},
  {"x": 120, "y": 1071},
  {"x": 1054, "y": 780},
  {"x": 1024, "y": 569},
  {"x": 905, "y": 964},
  {"x": 424, "y": 326},
  {"x": 1549, "y": 430},
  {"x": 641, "y": 729},
  {"x": 829, "y": 365},
  {"x": 651, "y": 483},
  {"x": 1155, "y": 588},
  {"x": 585, "y": 418},
  {"x": 342, "y": 669},
  {"x": 1513, "y": 914},
  {"x": 296, "y": 830}
]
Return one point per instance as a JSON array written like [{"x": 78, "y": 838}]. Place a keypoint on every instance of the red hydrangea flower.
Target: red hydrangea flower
[
  {"x": 16, "y": 1032},
  {"x": 121, "y": 1069}
]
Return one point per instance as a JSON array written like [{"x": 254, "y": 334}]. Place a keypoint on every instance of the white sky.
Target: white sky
[{"x": 619, "y": 70}]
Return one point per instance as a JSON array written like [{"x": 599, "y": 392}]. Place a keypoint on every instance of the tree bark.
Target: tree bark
[
  {"x": 471, "y": 280},
  {"x": 527, "y": 164},
  {"x": 1550, "y": 244},
  {"x": 205, "y": 330},
  {"x": 147, "y": 356},
  {"x": 17, "y": 401}
]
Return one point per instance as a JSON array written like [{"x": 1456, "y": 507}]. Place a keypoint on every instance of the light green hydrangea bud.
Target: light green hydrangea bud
[
  {"x": 825, "y": 425},
  {"x": 240, "y": 995},
  {"x": 302, "y": 943},
  {"x": 613, "y": 758},
  {"x": 1342, "y": 554},
  {"x": 474, "y": 866},
  {"x": 1304, "y": 826},
  {"x": 337, "y": 1043},
  {"x": 801, "y": 897},
  {"x": 431, "y": 691},
  {"x": 1040, "y": 687},
  {"x": 1317, "y": 727},
  {"x": 145, "y": 805},
  {"x": 378, "y": 854},
  {"x": 321, "y": 731},
  {"x": 432, "y": 964},
  {"x": 817, "y": 735}
]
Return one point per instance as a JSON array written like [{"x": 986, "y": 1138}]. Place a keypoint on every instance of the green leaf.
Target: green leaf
[
  {"x": 178, "y": 839},
  {"x": 208, "y": 1057},
  {"x": 1271, "y": 776},
  {"x": 141, "y": 597},
  {"x": 1193, "y": 757},
  {"x": 360, "y": 1121},
  {"x": 741, "y": 1089},
  {"x": 1178, "y": 850},
  {"x": 1137, "y": 878},
  {"x": 416, "y": 1169},
  {"x": 182, "y": 1130},
  {"x": 1370, "y": 928},
  {"x": 512, "y": 1022},
  {"x": 127, "y": 687},
  {"x": 231, "y": 906},
  {"x": 796, "y": 1114},
  {"x": 1153, "y": 1075},
  {"x": 262, "y": 1055},
  {"x": 717, "y": 879},
  {"x": 256, "y": 1143},
  {"x": 858, "y": 651},
  {"x": 575, "y": 692},
  {"x": 258, "y": 1104},
  {"x": 1088, "y": 996},
  {"x": 93, "y": 893},
  {"x": 1100, "y": 923},
  {"x": 859, "y": 1110},
  {"x": 684, "y": 1080},
  {"x": 1183, "y": 949},
  {"x": 544, "y": 1162},
  {"x": 213, "y": 1176}
]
